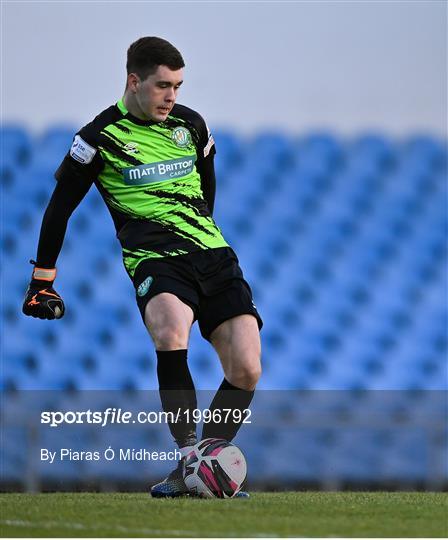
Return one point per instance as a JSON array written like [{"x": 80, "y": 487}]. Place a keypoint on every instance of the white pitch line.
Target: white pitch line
[
  {"x": 81, "y": 526},
  {"x": 120, "y": 528}
]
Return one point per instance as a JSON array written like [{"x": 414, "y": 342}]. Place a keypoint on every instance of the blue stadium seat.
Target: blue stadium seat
[
  {"x": 229, "y": 156},
  {"x": 374, "y": 147},
  {"x": 58, "y": 138},
  {"x": 8, "y": 173},
  {"x": 14, "y": 454},
  {"x": 425, "y": 149},
  {"x": 16, "y": 143},
  {"x": 274, "y": 143},
  {"x": 318, "y": 150}
]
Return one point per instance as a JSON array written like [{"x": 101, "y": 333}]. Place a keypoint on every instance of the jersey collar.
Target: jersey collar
[{"x": 122, "y": 108}]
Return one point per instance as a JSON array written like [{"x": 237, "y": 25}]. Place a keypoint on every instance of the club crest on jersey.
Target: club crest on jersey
[
  {"x": 144, "y": 286},
  {"x": 181, "y": 137}
]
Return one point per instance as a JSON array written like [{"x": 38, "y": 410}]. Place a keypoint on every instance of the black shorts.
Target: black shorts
[{"x": 210, "y": 282}]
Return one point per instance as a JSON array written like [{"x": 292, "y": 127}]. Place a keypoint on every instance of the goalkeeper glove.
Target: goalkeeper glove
[{"x": 41, "y": 300}]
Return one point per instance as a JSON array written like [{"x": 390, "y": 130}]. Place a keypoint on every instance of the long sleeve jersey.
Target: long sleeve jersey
[{"x": 157, "y": 180}]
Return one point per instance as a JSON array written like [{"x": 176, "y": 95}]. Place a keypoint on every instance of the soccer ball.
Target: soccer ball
[{"x": 214, "y": 468}]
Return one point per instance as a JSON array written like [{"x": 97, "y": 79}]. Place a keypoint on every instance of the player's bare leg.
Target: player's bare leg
[
  {"x": 169, "y": 321},
  {"x": 237, "y": 342}
]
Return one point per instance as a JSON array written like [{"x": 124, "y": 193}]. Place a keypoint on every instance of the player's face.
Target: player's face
[{"x": 157, "y": 94}]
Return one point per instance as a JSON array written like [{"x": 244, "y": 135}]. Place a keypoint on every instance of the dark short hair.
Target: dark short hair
[{"x": 147, "y": 53}]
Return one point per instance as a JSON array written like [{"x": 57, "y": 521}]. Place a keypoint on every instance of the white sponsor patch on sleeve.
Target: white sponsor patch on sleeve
[
  {"x": 210, "y": 142},
  {"x": 81, "y": 151},
  {"x": 209, "y": 145}
]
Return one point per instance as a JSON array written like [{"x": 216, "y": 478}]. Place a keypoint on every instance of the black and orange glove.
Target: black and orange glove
[{"x": 41, "y": 300}]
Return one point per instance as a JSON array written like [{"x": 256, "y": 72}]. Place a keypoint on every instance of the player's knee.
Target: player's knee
[
  {"x": 170, "y": 338},
  {"x": 246, "y": 376}
]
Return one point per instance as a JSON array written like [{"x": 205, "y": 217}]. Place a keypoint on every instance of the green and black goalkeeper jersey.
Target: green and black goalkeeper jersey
[{"x": 148, "y": 175}]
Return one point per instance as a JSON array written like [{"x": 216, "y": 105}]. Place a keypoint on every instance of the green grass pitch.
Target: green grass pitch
[{"x": 344, "y": 514}]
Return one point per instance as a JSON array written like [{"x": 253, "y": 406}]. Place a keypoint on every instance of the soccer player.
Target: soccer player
[{"x": 152, "y": 162}]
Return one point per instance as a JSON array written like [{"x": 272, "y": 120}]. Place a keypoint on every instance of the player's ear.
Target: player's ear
[{"x": 133, "y": 81}]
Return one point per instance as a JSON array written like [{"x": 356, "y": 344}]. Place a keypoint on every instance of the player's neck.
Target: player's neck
[{"x": 131, "y": 105}]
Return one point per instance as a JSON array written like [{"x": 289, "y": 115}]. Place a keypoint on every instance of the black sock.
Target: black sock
[
  {"x": 177, "y": 394},
  {"x": 227, "y": 397}
]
